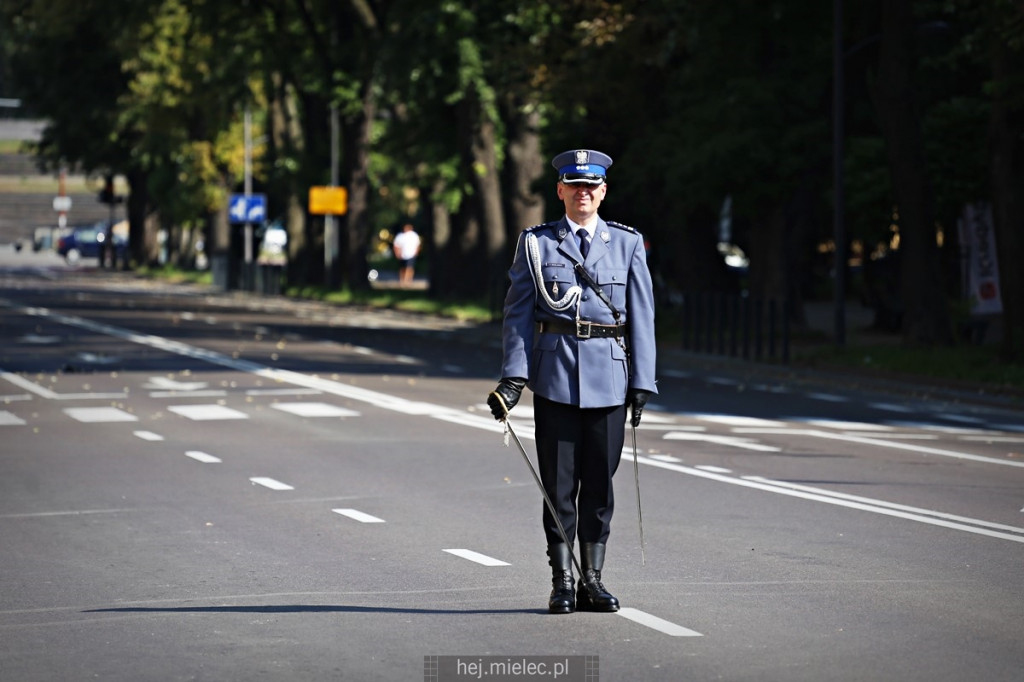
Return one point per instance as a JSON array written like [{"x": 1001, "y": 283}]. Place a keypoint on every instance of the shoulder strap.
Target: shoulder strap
[{"x": 585, "y": 276}]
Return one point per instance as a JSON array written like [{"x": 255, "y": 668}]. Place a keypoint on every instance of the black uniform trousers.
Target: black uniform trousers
[{"x": 578, "y": 451}]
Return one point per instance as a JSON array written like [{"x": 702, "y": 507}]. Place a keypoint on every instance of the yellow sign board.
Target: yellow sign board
[{"x": 328, "y": 200}]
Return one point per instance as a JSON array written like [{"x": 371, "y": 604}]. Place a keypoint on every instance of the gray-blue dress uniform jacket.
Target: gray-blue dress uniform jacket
[{"x": 561, "y": 367}]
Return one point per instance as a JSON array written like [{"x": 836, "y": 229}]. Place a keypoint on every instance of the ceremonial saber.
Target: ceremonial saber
[
  {"x": 544, "y": 493},
  {"x": 639, "y": 513}
]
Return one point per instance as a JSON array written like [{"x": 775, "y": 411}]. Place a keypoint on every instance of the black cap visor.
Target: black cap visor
[{"x": 582, "y": 179}]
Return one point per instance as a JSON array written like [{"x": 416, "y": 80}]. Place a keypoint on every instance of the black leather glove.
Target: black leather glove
[
  {"x": 502, "y": 399},
  {"x": 636, "y": 398}
]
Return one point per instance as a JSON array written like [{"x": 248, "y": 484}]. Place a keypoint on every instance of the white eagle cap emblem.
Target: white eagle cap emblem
[{"x": 582, "y": 157}]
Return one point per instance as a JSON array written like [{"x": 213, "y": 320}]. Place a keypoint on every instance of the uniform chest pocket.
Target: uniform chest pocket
[
  {"x": 557, "y": 278},
  {"x": 613, "y": 281}
]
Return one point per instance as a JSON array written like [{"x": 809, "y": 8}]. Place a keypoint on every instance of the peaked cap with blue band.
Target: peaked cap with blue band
[{"x": 581, "y": 166}]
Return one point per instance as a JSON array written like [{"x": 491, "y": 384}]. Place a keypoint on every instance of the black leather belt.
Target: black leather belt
[{"x": 582, "y": 329}]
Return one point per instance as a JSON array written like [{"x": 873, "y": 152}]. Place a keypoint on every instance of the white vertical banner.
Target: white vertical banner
[{"x": 981, "y": 267}]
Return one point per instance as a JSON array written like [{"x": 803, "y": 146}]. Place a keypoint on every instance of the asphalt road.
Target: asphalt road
[{"x": 202, "y": 486}]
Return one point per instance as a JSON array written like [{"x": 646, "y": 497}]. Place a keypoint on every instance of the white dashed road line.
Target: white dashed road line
[
  {"x": 148, "y": 435},
  {"x": 200, "y": 456},
  {"x": 655, "y": 623},
  {"x": 476, "y": 557},
  {"x": 357, "y": 515},
  {"x": 271, "y": 483}
]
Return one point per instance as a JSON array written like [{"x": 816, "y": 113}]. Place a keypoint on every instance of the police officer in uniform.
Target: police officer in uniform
[{"x": 579, "y": 331}]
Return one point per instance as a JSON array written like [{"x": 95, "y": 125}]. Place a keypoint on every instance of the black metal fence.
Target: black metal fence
[{"x": 736, "y": 325}]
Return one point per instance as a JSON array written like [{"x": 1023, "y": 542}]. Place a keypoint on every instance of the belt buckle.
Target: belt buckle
[{"x": 582, "y": 325}]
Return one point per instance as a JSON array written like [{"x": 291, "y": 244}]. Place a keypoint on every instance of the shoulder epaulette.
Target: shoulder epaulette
[
  {"x": 542, "y": 225},
  {"x": 627, "y": 228}
]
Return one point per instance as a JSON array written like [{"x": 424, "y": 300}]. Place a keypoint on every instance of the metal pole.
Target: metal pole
[
  {"x": 330, "y": 227},
  {"x": 247, "y": 132},
  {"x": 639, "y": 512},
  {"x": 838, "y": 125}
]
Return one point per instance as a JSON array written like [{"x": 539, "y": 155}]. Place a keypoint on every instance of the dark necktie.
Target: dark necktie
[{"x": 584, "y": 239}]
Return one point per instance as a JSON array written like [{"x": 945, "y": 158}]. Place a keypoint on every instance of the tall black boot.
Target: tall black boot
[
  {"x": 563, "y": 597},
  {"x": 591, "y": 594}
]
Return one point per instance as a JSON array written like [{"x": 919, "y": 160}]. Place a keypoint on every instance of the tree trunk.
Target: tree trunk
[
  {"x": 141, "y": 244},
  {"x": 441, "y": 238},
  {"x": 524, "y": 166},
  {"x": 485, "y": 238},
  {"x": 926, "y": 318},
  {"x": 286, "y": 143},
  {"x": 356, "y": 226}
]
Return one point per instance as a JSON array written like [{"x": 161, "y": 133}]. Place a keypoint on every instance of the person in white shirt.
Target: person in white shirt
[{"x": 406, "y": 246}]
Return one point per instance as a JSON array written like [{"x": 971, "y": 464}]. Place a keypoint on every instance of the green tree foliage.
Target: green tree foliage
[{"x": 449, "y": 112}]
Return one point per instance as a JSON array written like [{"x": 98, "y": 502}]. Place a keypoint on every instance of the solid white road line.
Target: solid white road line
[
  {"x": 891, "y": 407},
  {"x": 993, "y": 439},
  {"x": 735, "y": 420},
  {"x": 270, "y": 483},
  {"x": 43, "y": 392},
  {"x": 357, "y": 515},
  {"x": 842, "y": 425},
  {"x": 666, "y": 458},
  {"x": 477, "y": 557},
  {"x": 655, "y": 623},
  {"x": 281, "y": 391},
  {"x": 713, "y": 469},
  {"x": 888, "y": 505},
  {"x": 732, "y": 441},
  {"x": 875, "y": 506},
  {"x": 200, "y": 456},
  {"x": 829, "y": 397},
  {"x": 77, "y": 512},
  {"x": 881, "y": 441}
]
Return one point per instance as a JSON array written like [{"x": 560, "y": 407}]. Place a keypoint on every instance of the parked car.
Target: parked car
[{"x": 87, "y": 241}]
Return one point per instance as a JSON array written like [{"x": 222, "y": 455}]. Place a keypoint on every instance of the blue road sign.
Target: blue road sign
[{"x": 247, "y": 209}]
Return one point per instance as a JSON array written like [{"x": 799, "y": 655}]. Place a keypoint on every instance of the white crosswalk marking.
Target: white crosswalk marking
[
  {"x": 99, "y": 414},
  {"x": 207, "y": 412},
  {"x": 9, "y": 419},
  {"x": 315, "y": 410}
]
